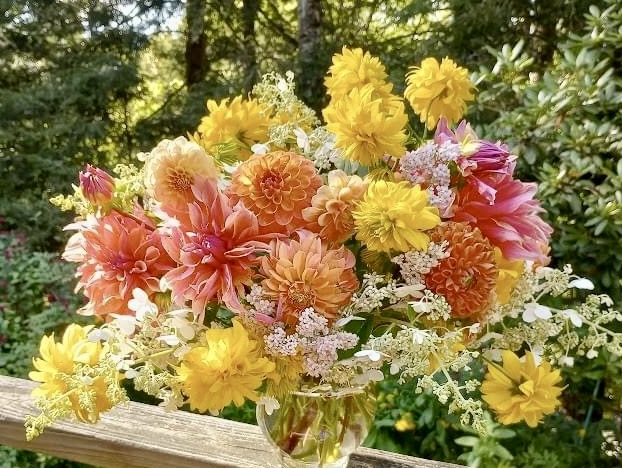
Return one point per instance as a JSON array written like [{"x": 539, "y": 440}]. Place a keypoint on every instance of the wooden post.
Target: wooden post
[{"x": 139, "y": 435}]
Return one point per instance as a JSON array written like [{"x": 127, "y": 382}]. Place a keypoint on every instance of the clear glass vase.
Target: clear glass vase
[{"x": 319, "y": 428}]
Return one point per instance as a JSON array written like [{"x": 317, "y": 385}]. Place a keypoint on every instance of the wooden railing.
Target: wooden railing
[{"x": 139, "y": 435}]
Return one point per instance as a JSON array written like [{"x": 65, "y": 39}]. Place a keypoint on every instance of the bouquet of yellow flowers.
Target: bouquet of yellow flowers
[{"x": 271, "y": 254}]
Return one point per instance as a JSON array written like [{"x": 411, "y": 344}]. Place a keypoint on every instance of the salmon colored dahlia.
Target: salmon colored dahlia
[
  {"x": 215, "y": 248},
  {"x": 277, "y": 187},
  {"x": 467, "y": 278},
  {"x": 511, "y": 222},
  {"x": 118, "y": 254},
  {"x": 304, "y": 272},
  {"x": 331, "y": 212},
  {"x": 171, "y": 167}
]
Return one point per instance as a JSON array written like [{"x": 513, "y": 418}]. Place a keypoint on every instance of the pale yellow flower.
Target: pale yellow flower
[
  {"x": 393, "y": 216},
  {"x": 521, "y": 391},
  {"x": 438, "y": 90},
  {"x": 242, "y": 122},
  {"x": 171, "y": 168},
  {"x": 353, "y": 68},
  {"x": 228, "y": 369},
  {"x": 367, "y": 127},
  {"x": 59, "y": 364}
]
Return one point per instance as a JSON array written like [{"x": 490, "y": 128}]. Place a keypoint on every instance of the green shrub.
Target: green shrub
[
  {"x": 36, "y": 298},
  {"x": 566, "y": 126}
]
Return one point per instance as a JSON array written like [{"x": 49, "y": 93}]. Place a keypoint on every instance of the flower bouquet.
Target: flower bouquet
[{"x": 274, "y": 257}]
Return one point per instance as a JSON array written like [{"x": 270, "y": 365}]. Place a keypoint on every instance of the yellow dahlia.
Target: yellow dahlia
[
  {"x": 468, "y": 276},
  {"x": 353, "y": 68},
  {"x": 58, "y": 371},
  {"x": 243, "y": 122},
  {"x": 509, "y": 274},
  {"x": 304, "y": 272},
  {"x": 276, "y": 187},
  {"x": 330, "y": 213},
  {"x": 521, "y": 391},
  {"x": 393, "y": 217},
  {"x": 228, "y": 368},
  {"x": 436, "y": 91},
  {"x": 367, "y": 127},
  {"x": 171, "y": 168}
]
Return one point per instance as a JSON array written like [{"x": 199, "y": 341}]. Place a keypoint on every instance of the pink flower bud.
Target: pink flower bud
[{"x": 97, "y": 186}]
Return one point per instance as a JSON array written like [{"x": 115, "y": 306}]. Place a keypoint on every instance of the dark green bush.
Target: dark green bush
[
  {"x": 36, "y": 298},
  {"x": 566, "y": 126}
]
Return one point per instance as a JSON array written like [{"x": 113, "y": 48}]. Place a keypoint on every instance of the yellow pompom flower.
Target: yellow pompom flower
[
  {"x": 521, "y": 391},
  {"x": 243, "y": 122},
  {"x": 438, "y": 90},
  {"x": 228, "y": 368},
  {"x": 367, "y": 127},
  {"x": 393, "y": 217},
  {"x": 66, "y": 371},
  {"x": 510, "y": 272},
  {"x": 353, "y": 68}
]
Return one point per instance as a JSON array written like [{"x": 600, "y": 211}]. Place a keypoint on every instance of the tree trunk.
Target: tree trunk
[
  {"x": 197, "y": 64},
  {"x": 311, "y": 70},
  {"x": 249, "y": 54}
]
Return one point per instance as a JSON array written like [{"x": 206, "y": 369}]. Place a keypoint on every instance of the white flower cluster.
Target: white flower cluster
[
  {"x": 417, "y": 263},
  {"x": 433, "y": 358},
  {"x": 372, "y": 295},
  {"x": 429, "y": 165}
]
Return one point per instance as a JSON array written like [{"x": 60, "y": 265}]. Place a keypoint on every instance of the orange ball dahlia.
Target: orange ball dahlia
[
  {"x": 305, "y": 273},
  {"x": 467, "y": 278},
  {"x": 331, "y": 212},
  {"x": 276, "y": 187}
]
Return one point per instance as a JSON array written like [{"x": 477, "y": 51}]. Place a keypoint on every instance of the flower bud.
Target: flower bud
[{"x": 96, "y": 185}]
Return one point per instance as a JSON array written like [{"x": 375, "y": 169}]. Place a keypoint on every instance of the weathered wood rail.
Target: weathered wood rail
[{"x": 139, "y": 435}]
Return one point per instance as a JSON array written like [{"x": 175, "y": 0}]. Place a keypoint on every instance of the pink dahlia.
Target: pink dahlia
[
  {"x": 480, "y": 159},
  {"x": 118, "y": 253},
  {"x": 215, "y": 247},
  {"x": 511, "y": 222}
]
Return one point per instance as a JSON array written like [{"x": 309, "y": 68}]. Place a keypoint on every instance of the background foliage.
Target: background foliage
[{"x": 99, "y": 80}]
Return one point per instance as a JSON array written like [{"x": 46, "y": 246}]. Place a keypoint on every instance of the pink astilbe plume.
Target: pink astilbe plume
[
  {"x": 511, "y": 222},
  {"x": 215, "y": 247},
  {"x": 118, "y": 253}
]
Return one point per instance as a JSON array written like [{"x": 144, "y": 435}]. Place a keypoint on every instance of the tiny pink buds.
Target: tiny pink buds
[{"x": 96, "y": 185}]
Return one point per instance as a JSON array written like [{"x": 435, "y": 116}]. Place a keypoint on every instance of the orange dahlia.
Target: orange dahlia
[
  {"x": 118, "y": 254},
  {"x": 467, "y": 278},
  {"x": 276, "y": 187},
  {"x": 330, "y": 213},
  {"x": 215, "y": 247},
  {"x": 304, "y": 272}
]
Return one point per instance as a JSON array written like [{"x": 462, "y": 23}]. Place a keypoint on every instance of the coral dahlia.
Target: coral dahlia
[
  {"x": 304, "y": 272},
  {"x": 331, "y": 212},
  {"x": 215, "y": 248},
  {"x": 118, "y": 254}
]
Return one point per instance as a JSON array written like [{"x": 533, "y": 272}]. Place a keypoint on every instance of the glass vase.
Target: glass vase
[{"x": 319, "y": 428}]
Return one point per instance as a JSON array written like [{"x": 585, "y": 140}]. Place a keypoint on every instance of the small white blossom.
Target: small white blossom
[{"x": 534, "y": 311}]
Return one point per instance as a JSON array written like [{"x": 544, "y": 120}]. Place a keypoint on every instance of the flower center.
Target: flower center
[
  {"x": 179, "y": 180},
  {"x": 271, "y": 183},
  {"x": 213, "y": 247},
  {"x": 300, "y": 296}
]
